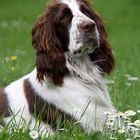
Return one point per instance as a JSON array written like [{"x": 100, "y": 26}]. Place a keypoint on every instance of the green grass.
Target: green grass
[{"x": 122, "y": 20}]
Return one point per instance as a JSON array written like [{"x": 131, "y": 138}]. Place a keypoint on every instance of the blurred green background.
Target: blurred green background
[{"x": 122, "y": 18}]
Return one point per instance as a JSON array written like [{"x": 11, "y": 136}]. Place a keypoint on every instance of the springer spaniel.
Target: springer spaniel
[{"x": 72, "y": 57}]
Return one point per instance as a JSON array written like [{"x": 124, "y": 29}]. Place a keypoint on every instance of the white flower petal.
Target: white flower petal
[
  {"x": 109, "y": 123},
  {"x": 121, "y": 131},
  {"x": 130, "y": 113},
  {"x": 34, "y": 134},
  {"x": 137, "y": 123},
  {"x": 132, "y": 78},
  {"x": 107, "y": 113}
]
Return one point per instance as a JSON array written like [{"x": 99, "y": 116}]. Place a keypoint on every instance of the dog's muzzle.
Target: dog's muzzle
[{"x": 89, "y": 37}]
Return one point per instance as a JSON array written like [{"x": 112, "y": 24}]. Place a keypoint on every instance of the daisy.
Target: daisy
[
  {"x": 137, "y": 123},
  {"x": 107, "y": 113},
  {"x": 121, "y": 131},
  {"x": 132, "y": 78},
  {"x": 130, "y": 113},
  {"x": 34, "y": 134}
]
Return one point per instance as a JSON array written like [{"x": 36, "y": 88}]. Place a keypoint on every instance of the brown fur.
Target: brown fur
[
  {"x": 44, "y": 110},
  {"x": 4, "y": 107},
  {"x": 50, "y": 38},
  {"x": 103, "y": 55}
]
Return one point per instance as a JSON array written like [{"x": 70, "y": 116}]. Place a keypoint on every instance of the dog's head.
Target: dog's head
[{"x": 69, "y": 26}]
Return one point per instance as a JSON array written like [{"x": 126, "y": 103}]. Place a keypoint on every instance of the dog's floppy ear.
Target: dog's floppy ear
[
  {"x": 103, "y": 54},
  {"x": 50, "y": 60}
]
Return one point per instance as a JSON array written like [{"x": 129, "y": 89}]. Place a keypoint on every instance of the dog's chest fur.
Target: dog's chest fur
[{"x": 83, "y": 96}]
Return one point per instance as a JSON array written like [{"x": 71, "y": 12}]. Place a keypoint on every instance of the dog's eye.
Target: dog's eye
[
  {"x": 66, "y": 14},
  {"x": 63, "y": 17},
  {"x": 85, "y": 11}
]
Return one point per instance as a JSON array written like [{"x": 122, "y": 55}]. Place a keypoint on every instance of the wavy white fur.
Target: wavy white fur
[{"x": 84, "y": 86}]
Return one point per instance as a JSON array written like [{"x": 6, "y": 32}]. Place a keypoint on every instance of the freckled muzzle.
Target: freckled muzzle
[
  {"x": 84, "y": 35},
  {"x": 84, "y": 50},
  {"x": 88, "y": 37},
  {"x": 90, "y": 41}
]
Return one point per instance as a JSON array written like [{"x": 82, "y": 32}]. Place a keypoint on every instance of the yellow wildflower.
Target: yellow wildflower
[{"x": 13, "y": 58}]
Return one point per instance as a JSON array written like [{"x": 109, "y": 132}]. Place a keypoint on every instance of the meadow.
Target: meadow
[{"x": 17, "y": 57}]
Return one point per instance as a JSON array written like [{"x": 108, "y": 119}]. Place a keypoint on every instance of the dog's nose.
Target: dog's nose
[{"x": 87, "y": 26}]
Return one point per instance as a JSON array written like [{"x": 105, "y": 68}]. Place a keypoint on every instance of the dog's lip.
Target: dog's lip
[
  {"x": 84, "y": 50},
  {"x": 89, "y": 47},
  {"x": 93, "y": 41}
]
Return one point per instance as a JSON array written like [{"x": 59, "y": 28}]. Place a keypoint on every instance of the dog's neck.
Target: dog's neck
[
  {"x": 88, "y": 73},
  {"x": 83, "y": 68},
  {"x": 82, "y": 72}
]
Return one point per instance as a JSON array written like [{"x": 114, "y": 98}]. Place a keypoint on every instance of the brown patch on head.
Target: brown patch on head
[
  {"x": 4, "y": 107},
  {"x": 43, "y": 110},
  {"x": 50, "y": 38},
  {"x": 103, "y": 54}
]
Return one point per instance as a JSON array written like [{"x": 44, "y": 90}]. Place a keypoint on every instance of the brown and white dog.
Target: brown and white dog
[{"x": 72, "y": 57}]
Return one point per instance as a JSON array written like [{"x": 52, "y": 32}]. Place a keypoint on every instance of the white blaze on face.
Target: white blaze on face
[{"x": 75, "y": 42}]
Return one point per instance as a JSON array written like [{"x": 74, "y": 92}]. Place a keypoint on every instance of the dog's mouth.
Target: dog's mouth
[{"x": 88, "y": 47}]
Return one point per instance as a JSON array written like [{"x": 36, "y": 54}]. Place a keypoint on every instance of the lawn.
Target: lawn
[{"x": 122, "y": 20}]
